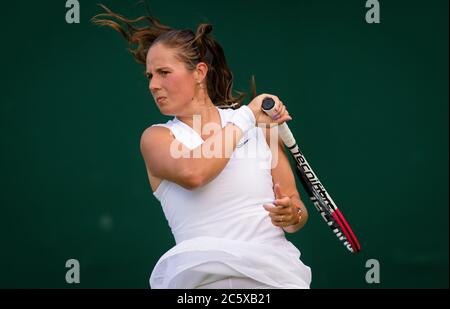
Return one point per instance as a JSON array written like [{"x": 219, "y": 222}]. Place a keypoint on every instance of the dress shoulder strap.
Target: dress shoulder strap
[{"x": 182, "y": 132}]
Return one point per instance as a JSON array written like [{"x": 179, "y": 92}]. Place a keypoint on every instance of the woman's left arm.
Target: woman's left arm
[{"x": 290, "y": 213}]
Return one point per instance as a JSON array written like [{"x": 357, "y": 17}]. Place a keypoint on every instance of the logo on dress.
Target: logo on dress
[{"x": 243, "y": 143}]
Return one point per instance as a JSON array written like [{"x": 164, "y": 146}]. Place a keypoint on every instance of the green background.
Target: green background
[{"x": 370, "y": 108}]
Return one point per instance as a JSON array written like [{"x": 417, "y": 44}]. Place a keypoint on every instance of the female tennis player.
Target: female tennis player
[{"x": 227, "y": 202}]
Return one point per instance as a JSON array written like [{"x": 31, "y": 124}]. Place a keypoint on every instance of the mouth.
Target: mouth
[{"x": 159, "y": 100}]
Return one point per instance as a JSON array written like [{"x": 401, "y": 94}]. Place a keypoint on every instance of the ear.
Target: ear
[{"x": 201, "y": 70}]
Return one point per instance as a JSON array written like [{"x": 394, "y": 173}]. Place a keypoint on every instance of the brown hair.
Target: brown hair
[{"x": 192, "y": 49}]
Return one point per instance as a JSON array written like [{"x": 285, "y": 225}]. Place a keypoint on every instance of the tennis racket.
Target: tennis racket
[{"x": 312, "y": 185}]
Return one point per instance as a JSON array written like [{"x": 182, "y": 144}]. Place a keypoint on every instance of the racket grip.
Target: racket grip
[
  {"x": 286, "y": 135},
  {"x": 268, "y": 106}
]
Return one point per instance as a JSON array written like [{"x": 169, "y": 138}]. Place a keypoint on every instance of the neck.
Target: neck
[{"x": 206, "y": 111}]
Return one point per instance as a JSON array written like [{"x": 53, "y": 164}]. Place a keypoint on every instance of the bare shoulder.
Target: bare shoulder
[
  {"x": 155, "y": 144},
  {"x": 151, "y": 144},
  {"x": 153, "y": 136},
  {"x": 154, "y": 131},
  {"x": 157, "y": 150}
]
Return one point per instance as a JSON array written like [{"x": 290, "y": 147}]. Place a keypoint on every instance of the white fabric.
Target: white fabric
[
  {"x": 243, "y": 118},
  {"x": 221, "y": 229},
  {"x": 234, "y": 283}
]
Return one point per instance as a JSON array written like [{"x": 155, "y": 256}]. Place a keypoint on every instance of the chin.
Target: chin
[{"x": 165, "y": 111}]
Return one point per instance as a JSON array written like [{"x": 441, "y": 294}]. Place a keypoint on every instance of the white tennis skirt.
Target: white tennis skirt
[{"x": 206, "y": 261}]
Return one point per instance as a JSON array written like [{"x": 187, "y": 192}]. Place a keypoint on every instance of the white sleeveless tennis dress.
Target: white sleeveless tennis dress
[{"x": 221, "y": 229}]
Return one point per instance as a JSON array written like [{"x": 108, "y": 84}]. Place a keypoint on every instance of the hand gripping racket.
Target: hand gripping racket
[{"x": 316, "y": 191}]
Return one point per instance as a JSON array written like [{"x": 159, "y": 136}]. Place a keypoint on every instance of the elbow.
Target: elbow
[
  {"x": 193, "y": 183},
  {"x": 192, "y": 180}
]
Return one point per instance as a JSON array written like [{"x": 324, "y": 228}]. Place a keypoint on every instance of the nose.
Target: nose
[{"x": 154, "y": 85}]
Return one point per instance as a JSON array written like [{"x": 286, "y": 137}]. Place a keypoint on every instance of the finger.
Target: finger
[
  {"x": 276, "y": 211},
  {"x": 281, "y": 218},
  {"x": 276, "y": 223},
  {"x": 278, "y": 104},
  {"x": 277, "y": 216},
  {"x": 285, "y": 112},
  {"x": 269, "y": 207},
  {"x": 282, "y": 111},
  {"x": 278, "y": 193},
  {"x": 279, "y": 116},
  {"x": 283, "y": 119},
  {"x": 277, "y": 110},
  {"x": 286, "y": 216},
  {"x": 283, "y": 202}
]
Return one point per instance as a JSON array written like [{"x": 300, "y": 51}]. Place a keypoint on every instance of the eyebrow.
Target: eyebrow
[{"x": 147, "y": 74}]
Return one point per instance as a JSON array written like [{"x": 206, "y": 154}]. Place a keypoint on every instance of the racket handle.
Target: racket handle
[{"x": 268, "y": 106}]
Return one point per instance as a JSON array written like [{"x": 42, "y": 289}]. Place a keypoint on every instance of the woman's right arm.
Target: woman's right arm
[
  {"x": 192, "y": 169},
  {"x": 187, "y": 168}
]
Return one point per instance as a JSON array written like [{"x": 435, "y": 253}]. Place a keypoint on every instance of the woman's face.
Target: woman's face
[{"x": 171, "y": 84}]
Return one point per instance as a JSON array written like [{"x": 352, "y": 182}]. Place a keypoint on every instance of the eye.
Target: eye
[
  {"x": 149, "y": 76},
  {"x": 164, "y": 73}
]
